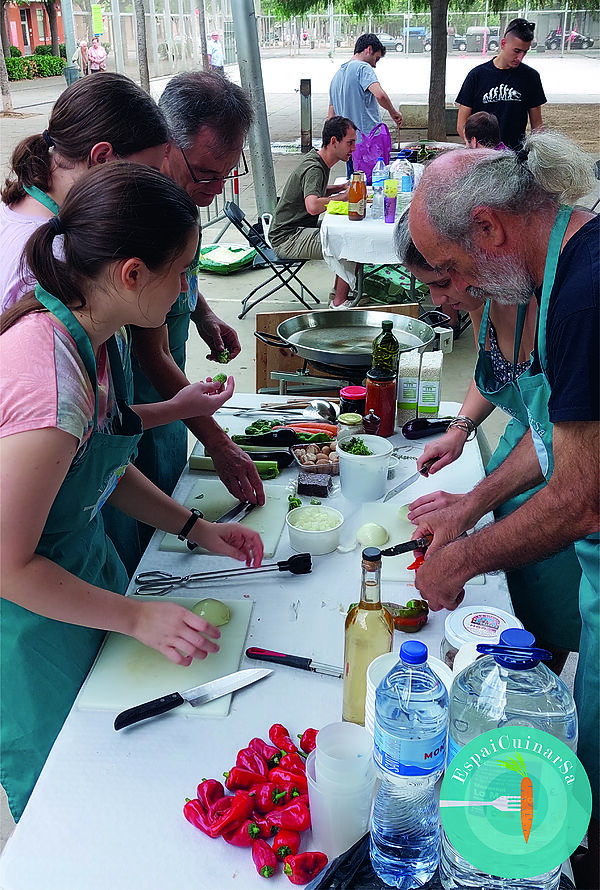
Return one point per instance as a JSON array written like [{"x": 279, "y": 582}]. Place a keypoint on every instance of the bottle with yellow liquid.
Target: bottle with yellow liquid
[{"x": 369, "y": 632}]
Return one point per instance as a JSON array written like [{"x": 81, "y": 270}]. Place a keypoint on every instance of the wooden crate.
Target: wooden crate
[{"x": 272, "y": 358}]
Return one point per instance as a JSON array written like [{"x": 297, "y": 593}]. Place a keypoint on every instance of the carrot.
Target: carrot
[
  {"x": 310, "y": 430},
  {"x": 320, "y": 427},
  {"x": 518, "y": 766}
]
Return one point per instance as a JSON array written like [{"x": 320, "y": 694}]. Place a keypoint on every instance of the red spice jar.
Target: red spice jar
[{"x": 381, "y": 398}]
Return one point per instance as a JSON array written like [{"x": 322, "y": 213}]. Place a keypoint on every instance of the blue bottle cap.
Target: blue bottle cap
[
  {"x": 516, "y": 650},
  {"x": 413, "y": 652}
]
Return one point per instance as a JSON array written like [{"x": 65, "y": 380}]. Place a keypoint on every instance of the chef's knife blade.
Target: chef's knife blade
[
  {"x": 406, "y": 482},
  {"x": 297, "y": 661},
  {"x": 407, "y": 546},
  {"x": 199, "y": 695},
  {"x": 238, "y": 512}
]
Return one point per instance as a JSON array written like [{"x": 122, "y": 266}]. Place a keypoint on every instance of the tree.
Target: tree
[
  {"x": 7, "y": 106},
  {"x": 50, "y": 7},
  {"x": 142, "y": 44}
]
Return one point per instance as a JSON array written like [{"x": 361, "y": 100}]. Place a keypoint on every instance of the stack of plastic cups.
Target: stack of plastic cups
[{"x": 341, "y": 783}]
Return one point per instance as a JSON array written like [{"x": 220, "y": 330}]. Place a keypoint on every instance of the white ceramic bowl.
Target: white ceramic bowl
[
  {"x": 382, "y": 665},
  {"x": 315, "y": 542}
]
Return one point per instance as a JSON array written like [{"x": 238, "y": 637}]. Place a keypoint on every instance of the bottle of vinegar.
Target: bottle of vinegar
[{"x": 369, "y": 633}]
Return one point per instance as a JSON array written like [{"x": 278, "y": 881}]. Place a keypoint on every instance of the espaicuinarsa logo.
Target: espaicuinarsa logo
[{"x": 515, "y": 802}]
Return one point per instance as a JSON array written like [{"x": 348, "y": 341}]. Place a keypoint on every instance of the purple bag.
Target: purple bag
[{"x": 378, "y": 144}]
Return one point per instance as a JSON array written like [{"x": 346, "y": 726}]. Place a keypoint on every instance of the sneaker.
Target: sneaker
[{"x": 347, "y": 304}]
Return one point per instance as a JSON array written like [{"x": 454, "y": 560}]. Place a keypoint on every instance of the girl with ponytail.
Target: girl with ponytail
[{"x": 68, "y": 438}]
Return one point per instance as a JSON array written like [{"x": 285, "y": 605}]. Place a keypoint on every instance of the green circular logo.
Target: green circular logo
[{"x": 515, "y": 802}]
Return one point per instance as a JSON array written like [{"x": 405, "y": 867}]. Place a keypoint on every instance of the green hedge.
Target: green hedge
[
  {"x": 43, "y": 49},
  {"x": 15, "y": 52},
  {"x": 34, "y": 66}
]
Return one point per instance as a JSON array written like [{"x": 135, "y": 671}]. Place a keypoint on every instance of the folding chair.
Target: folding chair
[{"x": 285, "y": 271}]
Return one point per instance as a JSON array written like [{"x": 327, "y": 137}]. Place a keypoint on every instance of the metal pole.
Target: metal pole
[
  {"x": 305, "y": 115},
  {"x": 331, "y": 32},
  {"x": 69, "y": 28},
  {"x": 154, "y": 37},
  {"x": 116, "y": 30},
  {"x": 248, "y": 54}
]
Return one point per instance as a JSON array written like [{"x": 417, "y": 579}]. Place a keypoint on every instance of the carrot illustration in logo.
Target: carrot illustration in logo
[{"x": 517, "y": 764}]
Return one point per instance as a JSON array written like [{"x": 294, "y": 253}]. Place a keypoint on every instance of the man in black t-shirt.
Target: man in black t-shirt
[{"x": 506, "y": 87}]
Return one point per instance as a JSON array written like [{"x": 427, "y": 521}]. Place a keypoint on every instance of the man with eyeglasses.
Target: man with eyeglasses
[
  {"x": 506, "y": 87},
  {"x": 208, "y": 119}
]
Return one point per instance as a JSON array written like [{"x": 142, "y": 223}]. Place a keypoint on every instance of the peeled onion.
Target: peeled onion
[{"x": 371, "y": 534}]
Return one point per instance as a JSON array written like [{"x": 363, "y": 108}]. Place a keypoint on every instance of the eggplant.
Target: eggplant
[
  {"x": 282, "y": 458},
  {"x": 421, "y": 427},
  {"x": 285, "y": 438}
]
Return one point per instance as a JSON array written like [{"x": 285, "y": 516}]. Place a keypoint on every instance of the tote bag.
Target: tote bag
[{"x": 378, "y": 144}]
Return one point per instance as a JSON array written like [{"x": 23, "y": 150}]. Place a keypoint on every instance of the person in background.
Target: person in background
[
  {"x": 215, "y": 53},
  {"x": 499, "y": 330},
  {"x": 208, "y": 118},
  {"x": 295, "y": 233},
  {"x": 80, "y": 58},
  {"x": 129, "y": 234},
  {"x": 355, "y": 91},
  {"x": 496, "y": 223},
  {"x": 97, "y": 56},
  {"x": 505, "y": 87},
  {"x": 483, "y": 131}
]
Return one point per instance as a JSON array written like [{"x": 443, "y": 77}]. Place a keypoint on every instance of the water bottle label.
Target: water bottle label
[{"x": 408, "y": 757}]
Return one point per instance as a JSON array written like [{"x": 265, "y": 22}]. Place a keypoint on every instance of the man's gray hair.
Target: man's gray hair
[
  {"x": 405, "y": 247},
  {"x": 549, "y": 170},
  {"x": 199, "y": 99}
]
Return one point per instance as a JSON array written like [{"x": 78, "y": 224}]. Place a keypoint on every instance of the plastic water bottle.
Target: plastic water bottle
[
  {"x": 378, "y": 179},
  {"x": 505, "y": 688},
  {"x": 411, "y": 718}
]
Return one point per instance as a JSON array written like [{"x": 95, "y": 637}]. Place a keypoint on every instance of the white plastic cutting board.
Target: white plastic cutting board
[
  {"x": 392, "y": 517},
  {"x": 212, "y": 498},
  {"x": 127, "y": 673}
]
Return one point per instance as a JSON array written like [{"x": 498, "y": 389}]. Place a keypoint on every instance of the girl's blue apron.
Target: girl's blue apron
[
  {"x": 544, "y": 594},
  {"x": 44, "y": 662}
]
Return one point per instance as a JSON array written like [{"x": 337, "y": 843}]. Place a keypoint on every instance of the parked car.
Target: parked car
[
  {"x": 574, "y": 40},
  {"x": 391, "y": 42},
  {"x": 475, "y": 35},
  {"x": 459, "y": 42}
]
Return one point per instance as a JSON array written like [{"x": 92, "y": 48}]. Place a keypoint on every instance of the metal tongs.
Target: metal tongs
[{"x": 159, "y": 583}]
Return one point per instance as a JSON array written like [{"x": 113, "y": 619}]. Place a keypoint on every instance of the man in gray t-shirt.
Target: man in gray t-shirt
[{"x": 355, "y": 91}]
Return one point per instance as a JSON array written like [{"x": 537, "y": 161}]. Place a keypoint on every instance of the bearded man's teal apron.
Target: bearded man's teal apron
[
  {"x": 44, "y": 662},
  {"x": 535, "y": 393},
  {"x": 543, "y": 594}
]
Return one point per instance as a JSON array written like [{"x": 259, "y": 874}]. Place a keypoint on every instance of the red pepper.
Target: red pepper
[
  {"x": 303, "y": 867},
  {"x": 244, "y": 835},
  {"x": 286, "y": 843},
  {"x": 267, "y": 796},
  {"x": 420, "y": 559},
  {"x": 237, "y": 812},
  {"x": 237, "y": 777},
  {"x": 249, "y": 759},
  {"x": 294, "y": 815},
  {"x": 308, "y": 740},
  {"x": 283, "y": 778},
  {"x": 264, "y": 858},
  {"x": 265, "y": 830},
  {"x": 195, "y": 812},
  {"x": 293, "y": 762},
  {"x": 271, "y": 755},
  {"x": 281, "y": 737},
  {"x": 209, "y": 791}
]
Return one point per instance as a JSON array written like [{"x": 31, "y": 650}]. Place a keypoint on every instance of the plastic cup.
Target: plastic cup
[
  {"x": 344, "y": 754},
  {"x": 340, "y": 813},
  {"x": 363, "y": 478},
  {"x": 389, "y": 209}
]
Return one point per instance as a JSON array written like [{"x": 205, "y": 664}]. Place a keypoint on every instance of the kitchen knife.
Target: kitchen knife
[
  {"x": 199, "y": 695},
  {"x": 407, "y": 546},
  {"x": 296, "y": 661},
  {"x": 238, "y": 512},
  {"x": 406, "y": 482}
]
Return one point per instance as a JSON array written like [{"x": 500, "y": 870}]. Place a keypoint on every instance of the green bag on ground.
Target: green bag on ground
[
  {"x": 225, "y": 258},
  {"x": 389, "y": 285}
]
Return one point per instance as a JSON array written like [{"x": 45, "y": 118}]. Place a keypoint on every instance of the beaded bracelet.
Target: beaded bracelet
[{"x": 464, "y": 423}]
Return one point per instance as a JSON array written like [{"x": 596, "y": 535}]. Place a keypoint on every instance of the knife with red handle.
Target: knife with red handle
[{"x": 296, "y": 661}]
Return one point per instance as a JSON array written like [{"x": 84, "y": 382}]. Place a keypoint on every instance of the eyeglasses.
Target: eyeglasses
[
  {"x": 522, "y": 28},
  {"x": 197, "y": 181}
]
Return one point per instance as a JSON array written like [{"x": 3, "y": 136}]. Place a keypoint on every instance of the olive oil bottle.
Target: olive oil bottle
[{"x": 369, "y": 632}]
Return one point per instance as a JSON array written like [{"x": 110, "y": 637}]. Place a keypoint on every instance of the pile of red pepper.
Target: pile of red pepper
[{"x": 269, "y": 800}]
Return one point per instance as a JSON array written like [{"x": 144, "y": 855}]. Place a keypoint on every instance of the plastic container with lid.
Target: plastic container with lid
[
  {"x": 349, "y": 425},
  {"x": 352, "y": 400},
  {"x": 473, "y": 624}
]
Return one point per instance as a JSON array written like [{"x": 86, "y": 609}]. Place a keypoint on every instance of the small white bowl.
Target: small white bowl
[{"x": 315, "y": 542}]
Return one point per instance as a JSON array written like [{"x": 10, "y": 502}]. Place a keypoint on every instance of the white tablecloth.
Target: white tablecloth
[
  {"x": 106, "y": 813},
  {"x": 347, "y": 243}
]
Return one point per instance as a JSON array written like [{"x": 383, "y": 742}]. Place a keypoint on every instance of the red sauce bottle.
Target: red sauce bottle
[{"x": 381, "y": 398}]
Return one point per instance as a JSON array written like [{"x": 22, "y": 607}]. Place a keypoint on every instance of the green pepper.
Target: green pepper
[
  {"x": 220, "y": 378},
  {"x": 409, "y": 618},
  {"x": 293, "y": 502},
  {"x": 261, "y": 426},
  {"x": 224, "y": 356}
]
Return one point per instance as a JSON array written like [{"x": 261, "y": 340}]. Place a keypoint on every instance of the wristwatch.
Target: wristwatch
[{"x": 195, "y": 515}]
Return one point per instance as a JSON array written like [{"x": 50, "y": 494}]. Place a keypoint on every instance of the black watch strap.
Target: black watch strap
[{"x": 194, "y": 516}]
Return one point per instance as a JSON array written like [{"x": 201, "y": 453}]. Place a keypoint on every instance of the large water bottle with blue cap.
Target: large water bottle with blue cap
[
  {"x": 378, "y": 179},
  {"x": 509, "y": 686},
  {"x": 411, "y": 717}
]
